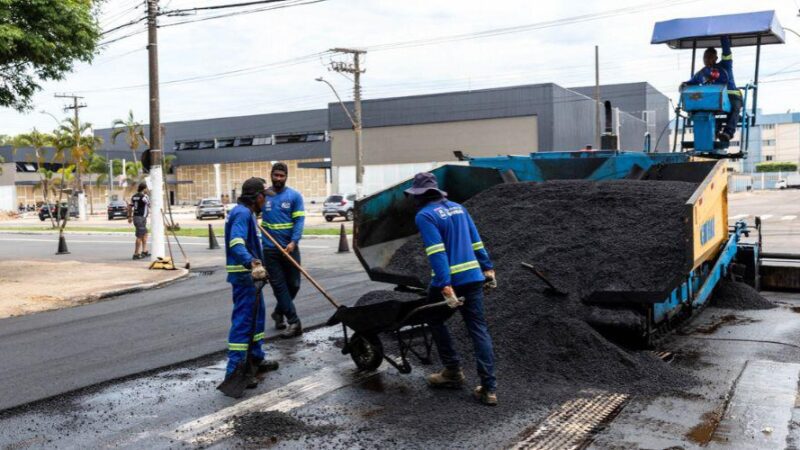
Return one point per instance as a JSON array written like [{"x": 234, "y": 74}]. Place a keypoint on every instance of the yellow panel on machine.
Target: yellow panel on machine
[{"x": 708, "y": 214}]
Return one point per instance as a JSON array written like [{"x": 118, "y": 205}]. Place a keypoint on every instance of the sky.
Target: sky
[{"x": 268, "y": 61}]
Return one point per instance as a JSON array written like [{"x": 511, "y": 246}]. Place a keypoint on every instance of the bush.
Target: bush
[{"x": 776, "y": 167}]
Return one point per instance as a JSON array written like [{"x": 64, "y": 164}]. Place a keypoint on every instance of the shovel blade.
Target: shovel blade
[{"x": 234, "y": 385}]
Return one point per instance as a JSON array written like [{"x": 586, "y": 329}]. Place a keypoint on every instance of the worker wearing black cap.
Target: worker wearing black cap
[
  {"x": 283, "y": 217},
  {"x": 244, "y": 256}
]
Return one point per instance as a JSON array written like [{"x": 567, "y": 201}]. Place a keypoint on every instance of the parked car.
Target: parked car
[
  {"x": 339, "y": 205},
  {"x": 209, "y": 207},
  {"x": 781, "y": 184},
  {"x": 117, "y": 208},
  {"x": 45, "y": 211}
]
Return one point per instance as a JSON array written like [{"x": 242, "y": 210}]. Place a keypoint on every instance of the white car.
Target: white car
[{"x": 781, "y": 184}]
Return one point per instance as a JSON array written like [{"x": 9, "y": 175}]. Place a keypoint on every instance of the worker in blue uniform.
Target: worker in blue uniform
[
  {"x": 461, "y": 270},
  {"x": 244, "y": 256},
  {"x": 721, "y": 72},
  {"x": 283, "y": 217}
]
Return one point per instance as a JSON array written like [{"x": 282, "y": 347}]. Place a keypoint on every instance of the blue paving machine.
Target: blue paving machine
[
  {"x": 703, "y": 108},
  {"x": 384, "y": 221}
]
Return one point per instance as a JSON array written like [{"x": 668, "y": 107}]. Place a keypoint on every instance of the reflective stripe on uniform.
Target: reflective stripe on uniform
[
  {"x": 278, "y": 226},
  {"x": 436, "y": 248},
  {"x": 236, "y": 268},
  {"x": 735, "y": 92},
  {"x": 234, "y": 347},
  {"x": 463, "y": 267},
  {"x": 297, "y": 214},
  {"x": 258, "y": 337},
  {"x": 477, "y": 245},
  {"x": 235, "y": 241},
  {"x": 727, "y": 57}
]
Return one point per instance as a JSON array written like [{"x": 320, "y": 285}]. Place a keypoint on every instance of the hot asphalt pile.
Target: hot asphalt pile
[
  {"x": 380, "y": 296},
  {"x": 741, "y": 296},
  {"x": 585, "y": 236},
  {"x": 264, "y": 428}
]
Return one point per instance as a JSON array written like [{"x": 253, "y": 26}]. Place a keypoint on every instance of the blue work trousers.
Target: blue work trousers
[
  {"x": 285, "y": 281},
  {"x": 472, "y": 313},
  {"x": 241, "y": 321}
]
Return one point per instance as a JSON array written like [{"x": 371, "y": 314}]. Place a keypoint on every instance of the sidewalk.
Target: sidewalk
[{"x": 41, "y": 285}]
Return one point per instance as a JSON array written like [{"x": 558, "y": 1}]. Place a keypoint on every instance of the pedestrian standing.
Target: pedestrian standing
[
  {"x": 138, "y": 211},
  {"x": 461, "y": 270},
  {"x": 283, "y": 218},
  {"x": 244, "y": 256}
]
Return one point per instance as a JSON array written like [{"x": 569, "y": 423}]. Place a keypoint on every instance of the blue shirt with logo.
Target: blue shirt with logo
[
  {"x": 242, "y": 244},
  {"x": 452, "y": 243},
  {"x": 283, "y": 216}
]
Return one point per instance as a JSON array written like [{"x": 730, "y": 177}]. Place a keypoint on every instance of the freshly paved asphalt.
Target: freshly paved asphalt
[{"x": 53, "y": 352}]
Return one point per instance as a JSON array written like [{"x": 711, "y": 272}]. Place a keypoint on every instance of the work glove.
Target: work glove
[
  {"x": 450, "y": 297},
  {"x": 491, "y": 279},
  {"x": 258, "y": 272},
  {"x": 682, "y": 86}
]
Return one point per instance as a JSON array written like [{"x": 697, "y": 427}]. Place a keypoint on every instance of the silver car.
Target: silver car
[
  {"x": 209, "y": 207},
  {"x": 339, "y": 205}
]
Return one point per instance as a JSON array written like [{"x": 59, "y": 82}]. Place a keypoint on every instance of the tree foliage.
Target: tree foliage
[
  {"x": 41, "y": 40},
  {"x": 776, "y": 167}
]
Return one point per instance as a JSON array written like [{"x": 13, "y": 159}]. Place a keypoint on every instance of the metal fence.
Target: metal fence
[{"x": 740, "y": 182}]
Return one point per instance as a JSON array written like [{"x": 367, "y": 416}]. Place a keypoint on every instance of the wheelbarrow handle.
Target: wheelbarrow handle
[{"x": 419, "y": 309}]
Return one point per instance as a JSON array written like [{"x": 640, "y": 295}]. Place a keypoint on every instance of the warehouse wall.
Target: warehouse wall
[
  {"x": 309, "y": 182},
  {"x": 432, "y": 142}
]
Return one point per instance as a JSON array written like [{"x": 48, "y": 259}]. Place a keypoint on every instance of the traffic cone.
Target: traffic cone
[
  {"x": 343, "y": 247},
  {"x": 212, "y": 240},
  {"x": 62, "y": 246}
]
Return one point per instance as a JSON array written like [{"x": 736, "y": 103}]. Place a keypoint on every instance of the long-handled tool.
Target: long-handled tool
[
  {"x": 322, "y": 291},
  {"x": 237, "y": 382},
  {"x": 172, "y": 230},
  {"x": 551, "y": 289}
]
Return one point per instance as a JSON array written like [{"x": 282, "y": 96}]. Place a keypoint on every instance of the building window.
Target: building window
[
  {"x": 244, "y": 142},
  {"x": 205, "y": 144},
  {"x": 26, "y": 167},
  {"x": 223, "y": 143},
  {"x": 193, "y": 145},
  {"x": 768, "y": 126},
  {"x": 264, "y": 140},
  {"x": 768, "y": 142},
  {"x": 768, "y": 158}
]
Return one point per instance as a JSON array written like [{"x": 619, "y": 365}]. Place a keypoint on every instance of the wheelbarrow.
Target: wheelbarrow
[{"x": 405, "y": 321}]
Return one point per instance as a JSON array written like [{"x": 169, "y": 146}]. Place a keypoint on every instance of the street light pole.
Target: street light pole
[
  {"x": 356, "y": 70},
  {"x": 156, "y": 173}
]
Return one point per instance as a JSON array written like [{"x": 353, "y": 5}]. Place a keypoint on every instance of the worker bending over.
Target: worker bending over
[
  {"x": 721, "y": 73},
  {"x": 283, "y": 217},
  {"x": 244, "y": 253},
  {"x": 461, "y": 267}
]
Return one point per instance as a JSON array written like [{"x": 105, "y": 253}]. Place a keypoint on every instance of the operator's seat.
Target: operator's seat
[{"x": 707, "y": 106}]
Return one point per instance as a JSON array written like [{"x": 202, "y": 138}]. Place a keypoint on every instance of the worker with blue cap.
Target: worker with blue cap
[
  {"x": 461, "y": 271},
  {"x": 721, "y": 73},
  {"x": 244, "y": 255}
]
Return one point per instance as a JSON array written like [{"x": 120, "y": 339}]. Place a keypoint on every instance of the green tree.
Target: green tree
[
  {"x": 776, "y": 166},
  {"x": 38, "y": 141},
  {"x": 40, "y": 40},
  {"x": 133, "y": 132},
  {"x": 81, "y": 150}
]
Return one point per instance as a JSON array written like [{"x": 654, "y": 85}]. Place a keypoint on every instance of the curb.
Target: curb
[
  {"x": 126, "y": 234},
  {"x": 128, "y": 290}
]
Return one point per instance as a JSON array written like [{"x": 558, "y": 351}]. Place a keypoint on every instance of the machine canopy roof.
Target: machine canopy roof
[{"x": 706, "y": 31}]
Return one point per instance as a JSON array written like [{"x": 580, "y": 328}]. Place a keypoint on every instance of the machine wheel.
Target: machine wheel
[
  {"x": 328, "y": 218},
  {"x": 366, "y": 351},
  {"x": 348, "y": 216}
]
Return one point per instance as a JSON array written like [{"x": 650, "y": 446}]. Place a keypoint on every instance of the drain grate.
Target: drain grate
[{"x": 572, "y": 424}]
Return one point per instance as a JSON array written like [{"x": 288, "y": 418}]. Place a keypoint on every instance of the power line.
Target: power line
[
  {"x": 250, "y": 11},
  {"x": 231, "y": 5}
]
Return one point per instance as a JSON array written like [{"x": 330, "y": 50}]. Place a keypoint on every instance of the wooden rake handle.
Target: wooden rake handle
[{"x": 299, "y": 267}]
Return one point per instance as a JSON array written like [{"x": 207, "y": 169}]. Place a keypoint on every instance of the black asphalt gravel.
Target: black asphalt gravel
[{"x": 741, "y": 296}]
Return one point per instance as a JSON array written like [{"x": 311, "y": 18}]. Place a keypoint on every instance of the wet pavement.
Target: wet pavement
[{"x": 746, "y": 365}]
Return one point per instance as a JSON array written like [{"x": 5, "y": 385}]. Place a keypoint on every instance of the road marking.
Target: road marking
[
  {"x": 740, "y": 216},
  {"x": 217, "y": 426},
  {"x": 790, "y": 217},
  {"x": 765, "y": 216}
]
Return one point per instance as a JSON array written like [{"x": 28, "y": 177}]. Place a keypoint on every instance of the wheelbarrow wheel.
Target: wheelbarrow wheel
[{"x": 366, "y": 351}]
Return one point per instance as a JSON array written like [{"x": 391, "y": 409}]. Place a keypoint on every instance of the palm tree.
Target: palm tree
[
  {"x": 98, "y": 166},
  {"x": 133, "y": 131},
  {"x": 37, "y": 141},
  {"x": 81, "y": 149}
]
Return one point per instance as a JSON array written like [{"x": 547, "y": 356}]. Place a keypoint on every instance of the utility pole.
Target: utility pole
[
  {"x": 597, "y": 98},
  {"x": 156, "y": 181},
  {"x": 355, "y": 69},
  {"x": 76, "y": 106}
]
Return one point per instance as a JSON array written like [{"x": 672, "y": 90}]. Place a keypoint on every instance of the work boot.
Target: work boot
[
  {"x": 485, "y": 396},
  {"x": 724, "y": 137},
  {"x": 253, "y": 383},
  {"x": 280, "y": 320},
  {"x": 293, "y": 330},
  {"x": 266, "y": 365},
  {"x": 446, "y": 378},
  {"x": 136, "y": 256}
]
